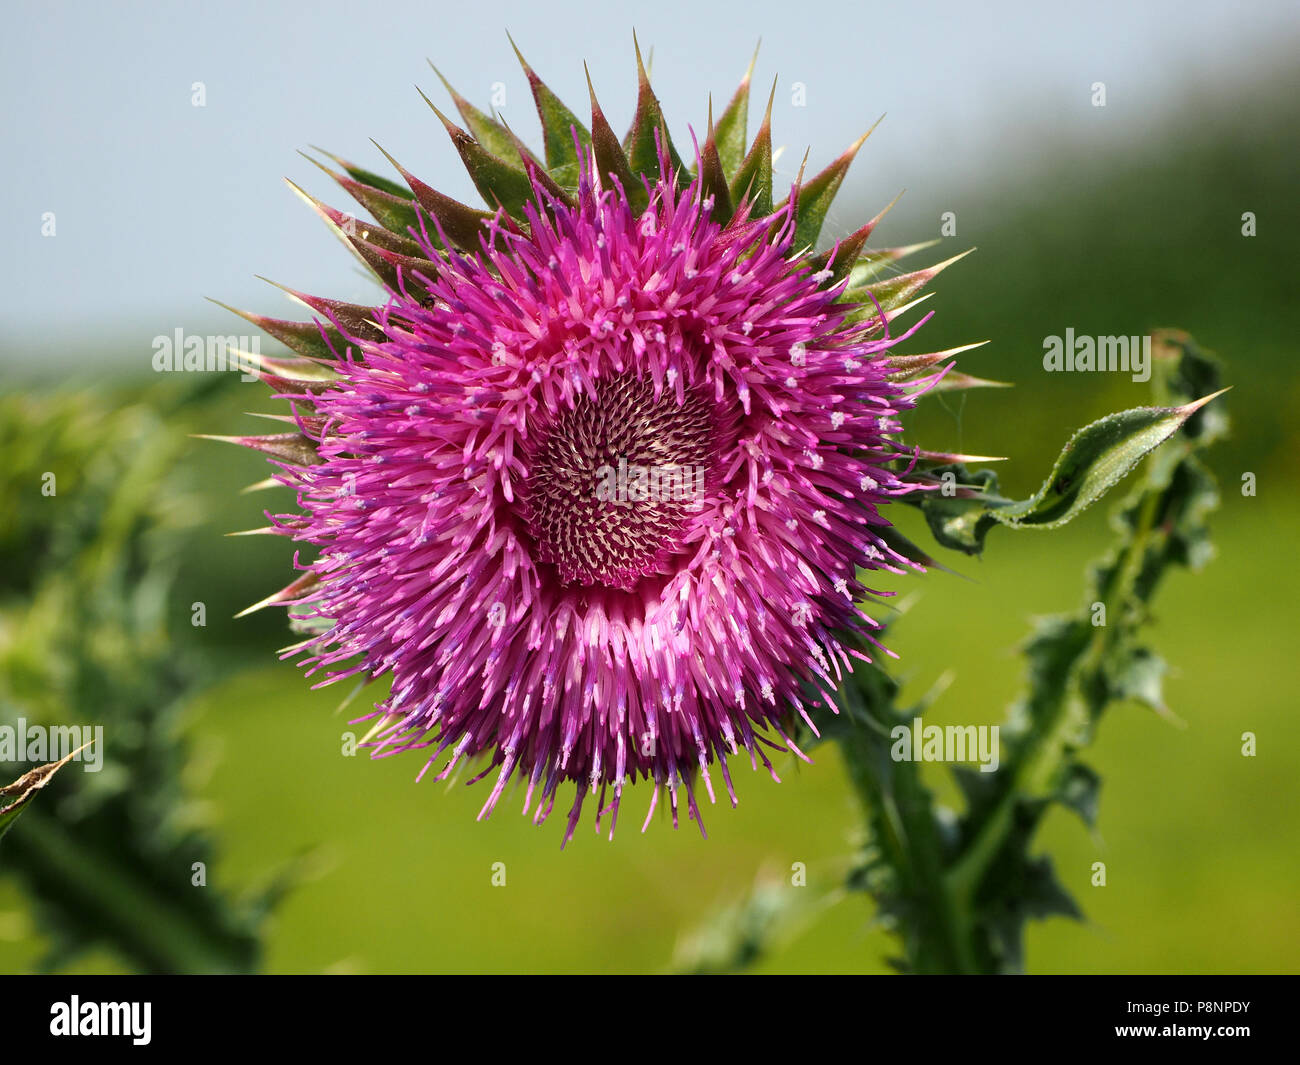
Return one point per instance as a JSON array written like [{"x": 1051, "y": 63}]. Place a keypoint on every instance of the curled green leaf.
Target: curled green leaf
[{"x": 1093, "y": 460}]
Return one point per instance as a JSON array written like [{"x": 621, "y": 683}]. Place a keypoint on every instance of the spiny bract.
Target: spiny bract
[{"x": 594, "y": 484}]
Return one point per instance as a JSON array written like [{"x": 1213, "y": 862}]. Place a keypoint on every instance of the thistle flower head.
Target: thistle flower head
[{"x": 595, "y": 485}]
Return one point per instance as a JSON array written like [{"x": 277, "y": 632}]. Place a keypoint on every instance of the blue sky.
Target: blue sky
[{"x": 158, "y": 203}]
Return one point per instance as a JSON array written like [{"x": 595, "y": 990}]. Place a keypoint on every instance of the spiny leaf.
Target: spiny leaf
[
  {"x": 640, "y": 143},
  {"x": 460, "y": 223},
  {"x": 303, "y": 337},
  {"x": 903, "y": 365},
  {"x": 842, "y": 256},
  {"x": 1138, "y": 673},
  {"x": 558, "y": 122},
  {"x": 290, "y": 593},
  {"x": 309, "y": 373},
  {"x": 713, "y": 179},
  {"x": 731, "y": 129},
  {"x": 753, "y": 180},
  {"x": 1080, "y": 791},
  {"x": 366, "y": 177},
  {"x": 1095, "y": 458},
  {"x": 377, "y": 254},
  {"x": 392, "y": 210},
  {"x": 1043, "y": 895},
  {"x": 497, "y": 182},
  {"x": 293, "y": 448},
  {"x": 351, "y": 226},
  {"x": 894, "y": 292},
  {"x": 486, "y": 130},
  {"x": 611, "y": 160},
  {"x": 814, "y": 198},
  {"x": 538, "y": 175},
  {"x": 353, "y": 317},
  {"x": 956, "y": 381},
  {"x": 872, "y": 264}
]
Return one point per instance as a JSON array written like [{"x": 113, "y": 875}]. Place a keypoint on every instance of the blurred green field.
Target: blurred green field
[{"x": 1199, "y": 841}]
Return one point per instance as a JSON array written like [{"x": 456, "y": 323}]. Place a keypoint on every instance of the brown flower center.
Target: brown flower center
[{"x": 614, "y": 481}]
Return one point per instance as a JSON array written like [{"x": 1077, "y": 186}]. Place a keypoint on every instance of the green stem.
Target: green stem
[
  {"x": 940, "y": 942},
  {"x": 1045, "y": 749}
]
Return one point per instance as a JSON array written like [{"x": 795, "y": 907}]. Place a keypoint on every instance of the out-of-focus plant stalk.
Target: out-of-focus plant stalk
[{"x": 961, "y": 890}]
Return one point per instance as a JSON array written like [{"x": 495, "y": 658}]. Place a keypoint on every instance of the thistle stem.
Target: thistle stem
[
  {"x": 938, "y": 942},
  {"x": 1043, "y": 754}
]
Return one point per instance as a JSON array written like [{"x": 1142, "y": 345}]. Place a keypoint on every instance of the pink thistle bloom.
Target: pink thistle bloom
[
  {"x": 480, "y": 541},
  {"x": 594, "y": 489}
]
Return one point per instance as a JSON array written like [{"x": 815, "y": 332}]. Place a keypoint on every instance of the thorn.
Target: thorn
[
  {"x": 448, "y": 124},
  {"x": 954, "y": 456},
  {"x": 1197, "y": 404},
  {"x": 456, "y": 97},
  {"x": 642, "y": 77},
  {"x": 287, "y": 594},
  {"x": 887, "y": 208},
  {"x": 898, "y": 312},
  {"x": 261, "y": 486},
  {"x": 909, "y": 363},
  {"x": 319, "y": 166},
  {"x": 287, "y": 418},
  {"x": 767, "y": 115},
  {"x": 798, "y": 178},
  {"x": 749, "y": 70},
  {"x": 529, "y": 73},
  {"x": 850, "y": 153},
  {"x": 955, "y": 381}
]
